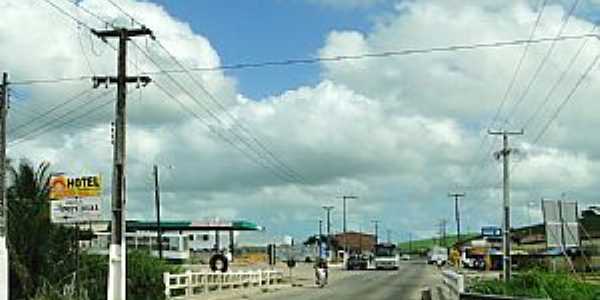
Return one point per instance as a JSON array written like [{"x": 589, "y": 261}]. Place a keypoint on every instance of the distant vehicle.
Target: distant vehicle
[
  {"x": 357, "y": 262},
  {"x": 386, "y": 257},
  {"x": 405, "y": 257},
  {"x": 437, "y": 255}
]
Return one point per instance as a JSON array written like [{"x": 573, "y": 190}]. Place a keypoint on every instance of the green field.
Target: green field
[{"x": 426, "y": 244}]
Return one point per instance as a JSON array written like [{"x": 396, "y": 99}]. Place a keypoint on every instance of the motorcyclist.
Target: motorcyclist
[{"x": 321, "y": 266}]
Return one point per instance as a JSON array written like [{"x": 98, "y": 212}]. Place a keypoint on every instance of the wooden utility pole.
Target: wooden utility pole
[
  {"x": 457, "y": 196},
  {"x": 505, "y": 154},
  {"x": 118, "y": 252},
  {"x": 4, "y": 286},
  {"x": 157, "y": 204}
]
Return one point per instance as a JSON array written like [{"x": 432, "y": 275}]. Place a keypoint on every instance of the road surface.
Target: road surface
[{"x": 406, "y": 283}]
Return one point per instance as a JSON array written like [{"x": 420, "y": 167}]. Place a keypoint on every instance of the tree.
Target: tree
[{"x": 40, "y": 253}]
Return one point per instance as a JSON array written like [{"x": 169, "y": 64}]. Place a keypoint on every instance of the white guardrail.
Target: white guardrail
[
  {"x": 194, "y": 283},
  {"x": 454, "y": 284}
]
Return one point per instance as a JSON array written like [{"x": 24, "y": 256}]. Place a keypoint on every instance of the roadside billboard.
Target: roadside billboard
[
  {"x": 562, "y": 226},
  {"x": 64, "y": 187},
  {"x": 75, "y": 199}
]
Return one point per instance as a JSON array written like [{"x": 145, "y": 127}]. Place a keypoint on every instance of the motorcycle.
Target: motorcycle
[{"x": 321, "y": 276}]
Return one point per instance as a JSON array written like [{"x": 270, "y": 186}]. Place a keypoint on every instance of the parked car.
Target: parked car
[
  {"x": 357, "y": 262},
  {"x": 405, "y": 257}
]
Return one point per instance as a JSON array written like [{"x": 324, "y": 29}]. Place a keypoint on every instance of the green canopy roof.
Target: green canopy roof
[{"x": 194, "y": 226}]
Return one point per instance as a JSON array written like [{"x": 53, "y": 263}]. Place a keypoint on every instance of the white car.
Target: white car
[{"x": 405, "y": 257}]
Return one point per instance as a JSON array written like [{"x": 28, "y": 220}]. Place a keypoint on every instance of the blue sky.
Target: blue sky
[{"x": 252, "y": 31}]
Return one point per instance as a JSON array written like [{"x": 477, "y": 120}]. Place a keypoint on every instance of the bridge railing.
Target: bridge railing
[
  {"x": 194, "y": 283},
  {"x": 453, "y": 283}
]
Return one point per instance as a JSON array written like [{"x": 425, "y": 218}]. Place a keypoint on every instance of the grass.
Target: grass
[{"x": 540, "y": 284}]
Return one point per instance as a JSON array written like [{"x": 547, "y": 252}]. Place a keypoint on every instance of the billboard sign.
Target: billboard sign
[
  {"x": 65, "y": 187},
  {"x": 75, "y": 210},
  {"x": 562, "y": 227},
  {"x": 75, "y": 199}
]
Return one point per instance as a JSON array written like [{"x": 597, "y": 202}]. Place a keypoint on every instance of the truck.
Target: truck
[
  {"x": 437, "y": 255},
  {"x": 385, "y": 257}
]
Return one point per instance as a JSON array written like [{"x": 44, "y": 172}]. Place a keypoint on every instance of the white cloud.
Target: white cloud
[
  {"x": 399, "y": 132},
  {"x": 347, "y": 3}
]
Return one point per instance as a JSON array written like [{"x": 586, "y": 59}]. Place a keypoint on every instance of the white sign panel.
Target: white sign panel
[
  {"x": 75, "y": 210},
  {"x": 562, "y": 227}
]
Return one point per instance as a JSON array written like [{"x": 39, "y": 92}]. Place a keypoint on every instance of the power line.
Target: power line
[
  {"x": 236, "y": 121},
  {"x": 39, "y": 129},
  {"x": 289, "y": 62},
  {"x": 557, "y": 83},
  {"x": 567, "y": 98},
  {"x": 47, "y": 113},
  {"x": 178, "y": 84},
  {"x": 485, "y": 137},
  {"x": 543, "y": 62}
]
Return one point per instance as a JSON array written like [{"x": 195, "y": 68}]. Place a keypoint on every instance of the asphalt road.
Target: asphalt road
[{"x": 406, "y": 283}]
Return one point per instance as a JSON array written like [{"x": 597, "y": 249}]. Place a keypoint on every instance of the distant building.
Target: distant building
[{"x": 355, "y": 242}]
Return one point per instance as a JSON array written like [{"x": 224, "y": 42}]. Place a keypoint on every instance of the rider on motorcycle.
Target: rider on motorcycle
[{"x": 321, "y": 271}]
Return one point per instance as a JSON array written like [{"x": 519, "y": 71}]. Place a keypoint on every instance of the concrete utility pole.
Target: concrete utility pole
[
  {"x": 344, "y": 219},
  {"x": 328, "y": 209},
  {"x": 505, "y": 154},
  {"x": 457, "y": 212},
  {"x": 3, "y": 205},
  {"x": 118, "y": 253},
  {"x": 320, "y": 228},
  {"x": 376, "y": 222},
  {"x": 389, "y": 236},
  {"x": 442, "y": 225},
  {"x": 157, "y": 204}
]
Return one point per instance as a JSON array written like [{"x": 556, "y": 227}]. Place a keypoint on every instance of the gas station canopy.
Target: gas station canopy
[{"x": 133, "y": 226}]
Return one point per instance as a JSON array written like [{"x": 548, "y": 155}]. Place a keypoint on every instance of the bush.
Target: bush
[
  {"x": 540, "y": 284},
  {"x": 144, "y": 276}
]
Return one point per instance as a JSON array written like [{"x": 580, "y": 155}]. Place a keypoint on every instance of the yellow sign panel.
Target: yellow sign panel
[{"x": 62, "y": 187}]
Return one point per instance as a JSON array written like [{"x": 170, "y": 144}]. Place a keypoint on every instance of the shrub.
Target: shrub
[{"x": 540, "y": 284}]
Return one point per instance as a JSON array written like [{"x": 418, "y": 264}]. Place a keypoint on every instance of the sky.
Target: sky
[{"x": 273, "y": 145}]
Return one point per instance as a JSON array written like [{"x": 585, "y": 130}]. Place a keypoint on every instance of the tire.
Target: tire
[{"x": 224, "y": 263}]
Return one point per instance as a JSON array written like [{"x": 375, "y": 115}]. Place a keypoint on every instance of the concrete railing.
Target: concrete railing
[
  {"x": 194, "y": 283},
  {"x": 453, "y": 283}
]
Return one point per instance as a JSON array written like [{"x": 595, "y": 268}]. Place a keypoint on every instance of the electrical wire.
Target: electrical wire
[
  {"x": 53, "y": 126},
  {"x": 557, "y": 83},
  {"x": 483, "y": 162},
  {"x": 542, "y": 64},
  {"x": 235, "y": 120},
  {"x": 47, "y": 113},
  {"x": 60, "y": 117},
  {"x": 289, "y": 62},
  {"x": 567, "y": 98}
]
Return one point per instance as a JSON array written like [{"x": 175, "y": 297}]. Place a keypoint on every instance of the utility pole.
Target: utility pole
[
  {"x": 328, "y": 209},
  {"x": 320, "y": 228},
  {"x": 3, "y": 205},
  {"x": 442, "y": 225},
  {"x": 376, "y": 223},
  {"x": 389, "y": 236},
  {"x": 344, "y": 219},
  {"x": 118, "y": 253},
  {"x": 505, "y": 154},
  {"x": 457, "y": 213},
  {"x": 410, "y": 242},
  {"x": 157, "y": 204}
]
